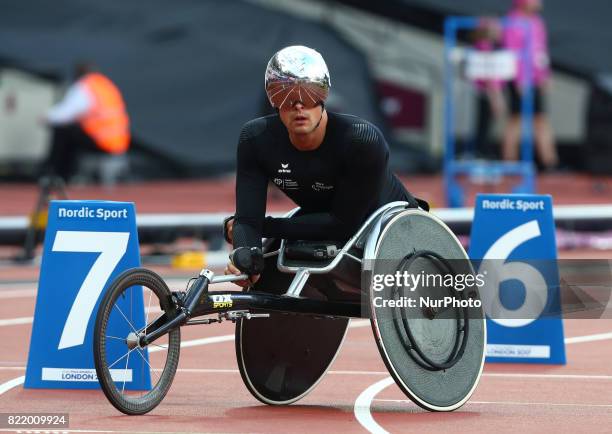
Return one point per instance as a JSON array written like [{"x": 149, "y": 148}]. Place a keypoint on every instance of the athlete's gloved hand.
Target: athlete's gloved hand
[
  {"x": 245, "y": 254},
  {"x": 248, "y": 260}
]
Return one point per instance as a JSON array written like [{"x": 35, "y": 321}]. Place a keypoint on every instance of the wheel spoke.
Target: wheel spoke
[
  {"x": 148, "y": 310},
  {"x": 121, "y": 358},
  {"x": 127, "y": 360},
  {"x": 144, "y": 330},
  {"x": 131, "y": 302},
  {"x": 127, "y": 320},
  {"x": 149, "y": 365}
]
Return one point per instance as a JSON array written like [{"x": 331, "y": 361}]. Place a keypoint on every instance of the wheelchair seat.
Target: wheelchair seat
[{"x": 311, "y": 250}]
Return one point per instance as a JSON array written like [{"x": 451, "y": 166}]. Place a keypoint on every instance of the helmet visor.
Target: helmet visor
[
  {"x": 284, "y": 96},
  {"x": 297, "y": 74}
]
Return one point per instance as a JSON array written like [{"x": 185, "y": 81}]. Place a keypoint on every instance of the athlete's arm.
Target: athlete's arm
[
  {"x": 357, "y": 191},
  {"x": 251, "y": 192}
]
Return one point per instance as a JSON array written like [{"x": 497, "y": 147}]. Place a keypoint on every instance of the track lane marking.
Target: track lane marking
[
  {"x": 364, "y": 416},
  {"x": 548, "y": 376},
  {"x": 362, "y": 406},
  {"x": 192, "y": 343},
  {"x": 517, "y": 403},
  {"x": 30, "y": 289},
  {"x": 385, "y": 373},
  {"x": 68, "y": 431},
  {"x": 589, "y": 338},
  {"x": 5, "y": 387},
  {"x": 16, "y": 321},
  {"x": 17, "y": 293}
]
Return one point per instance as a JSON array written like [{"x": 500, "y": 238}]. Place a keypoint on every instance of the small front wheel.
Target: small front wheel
[{"x": 135, "y": 378}]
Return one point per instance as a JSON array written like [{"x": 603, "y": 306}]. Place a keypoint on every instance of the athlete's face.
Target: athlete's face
[{"x": 300, "y": 120}]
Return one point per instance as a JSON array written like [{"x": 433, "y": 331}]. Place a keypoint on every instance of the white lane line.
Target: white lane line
[
  {"x": 5, "y": 387},
  {"x": 68, "y": 431},
  {"x": 192, "y": 343},
  {"x": 196, "y": 342},
  {"x": 203, "y": 371},
  {"x": 549, "y": 376},
  {"x": 546, "y": 404},
  {"x": 353, "y": 324},
  {"x": 364, "y": 412},
  {"x": 362, "y": 406},
  {"x": 29, "y": 320},
  {"x": 19, "y": 284},
  {"x": 227, "y": 338},
  {"x": 500, "y": 375},
  {"x": 385, "y": 373},
  {"x": 16, "y": 321},
  {"x": 358, "y": 323},
  {"x": 29, "y": 289},
  {"x": 364, "y": 416},
  {"x": 589, "y": 338},
  {"x": 17, "y": 293},
  {"x": 381, "y": 373}
]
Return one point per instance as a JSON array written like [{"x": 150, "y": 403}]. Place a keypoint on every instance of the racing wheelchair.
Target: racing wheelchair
[{"x": 291, "y": 324}]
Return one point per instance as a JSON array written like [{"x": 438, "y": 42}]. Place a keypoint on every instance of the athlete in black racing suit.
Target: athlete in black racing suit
[
  {"x": 337, "y": 186},
  {"x": 333, "y": 166}
]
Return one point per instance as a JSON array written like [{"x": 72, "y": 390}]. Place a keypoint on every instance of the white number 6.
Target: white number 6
[{"x": 536, "y": 290}]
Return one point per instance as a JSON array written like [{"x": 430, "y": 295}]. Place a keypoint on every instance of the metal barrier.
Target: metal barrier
[{"x": 155, "y": 228}]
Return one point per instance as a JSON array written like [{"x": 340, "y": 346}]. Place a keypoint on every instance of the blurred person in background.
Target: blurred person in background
[
  {"x": 515, "y": 38},
  {"x": 333, "y": 166},
  {"x": 91, "y": 118},
  {"x": 489, "y": 92}
]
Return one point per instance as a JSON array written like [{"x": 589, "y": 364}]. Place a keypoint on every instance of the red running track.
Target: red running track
[
  {"x": 208, "y": 395},
  {"x": 217, "y": 195}
]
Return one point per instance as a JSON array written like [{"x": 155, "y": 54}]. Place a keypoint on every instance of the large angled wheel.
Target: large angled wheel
[
  {"x": 283, "y": 357},
  {"x": 135, "y": 378},
  {"x": 433, "y": 346}
]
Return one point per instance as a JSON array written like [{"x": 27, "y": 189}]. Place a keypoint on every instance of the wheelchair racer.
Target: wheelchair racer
[{"x": 333, "y": 166}]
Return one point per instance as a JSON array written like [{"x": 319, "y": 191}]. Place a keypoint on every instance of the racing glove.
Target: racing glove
[{"x": 248, "y": 260}]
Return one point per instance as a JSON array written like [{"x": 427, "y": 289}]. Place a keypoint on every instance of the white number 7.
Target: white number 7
[{"x": 111, "y": 246}]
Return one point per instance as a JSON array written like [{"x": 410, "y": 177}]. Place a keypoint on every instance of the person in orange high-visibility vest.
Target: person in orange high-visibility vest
[{"x": 91, "y": 118}]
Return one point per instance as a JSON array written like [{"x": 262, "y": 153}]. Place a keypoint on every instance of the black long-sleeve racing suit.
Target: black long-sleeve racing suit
[{"x": 337, "y": 186}]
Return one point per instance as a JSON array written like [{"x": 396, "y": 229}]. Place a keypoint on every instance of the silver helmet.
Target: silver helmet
[{"x": 297, "y": 73}]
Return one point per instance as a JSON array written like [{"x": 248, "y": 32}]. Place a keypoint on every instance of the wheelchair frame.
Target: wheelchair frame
[
  {"x": 199, "y": 301},
  {"x": 198, "y": 305}
]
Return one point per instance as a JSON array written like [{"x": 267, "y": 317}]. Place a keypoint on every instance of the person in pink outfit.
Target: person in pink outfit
[{"x": 536, "y": 62}]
